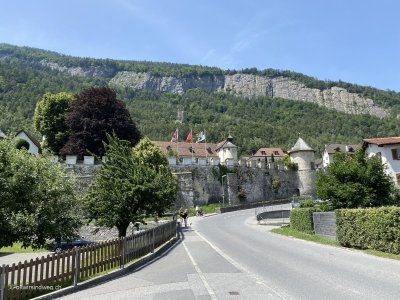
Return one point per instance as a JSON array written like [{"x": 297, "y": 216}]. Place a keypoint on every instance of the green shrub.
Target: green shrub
[
  {"x": 318, "y": 206},
  {"x": 21, "y": 143},
  {"x": 301, "y": 219},
  {"x": 288, "y": 163},
  {"x": 371, "y": 228},
  {"x": 306, "y": 203}
]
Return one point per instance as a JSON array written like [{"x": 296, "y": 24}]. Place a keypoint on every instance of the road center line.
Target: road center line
[{"x": 201, "y": 275}]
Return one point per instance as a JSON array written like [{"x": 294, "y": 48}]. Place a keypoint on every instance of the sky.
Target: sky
[{"x": 356, "y": 41}]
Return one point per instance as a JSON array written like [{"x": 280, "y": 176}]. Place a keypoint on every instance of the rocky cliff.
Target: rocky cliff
[{"x": 247, "y": 85}]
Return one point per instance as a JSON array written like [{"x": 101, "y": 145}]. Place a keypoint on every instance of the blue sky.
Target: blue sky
[{"x": 355, "y": 41}]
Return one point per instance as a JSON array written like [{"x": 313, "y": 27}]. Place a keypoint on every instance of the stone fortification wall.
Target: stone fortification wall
[{"x": 201, "y": 185}]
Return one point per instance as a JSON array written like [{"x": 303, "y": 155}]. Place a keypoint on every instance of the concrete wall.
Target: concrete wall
[{"x": 325, "y": 224}]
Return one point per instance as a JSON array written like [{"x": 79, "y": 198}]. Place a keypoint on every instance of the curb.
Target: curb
[{"x": 112, "y": 275}]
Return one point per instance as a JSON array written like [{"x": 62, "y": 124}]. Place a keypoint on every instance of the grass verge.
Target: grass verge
[
  {"x": 17, "y": 248},
  {"x": 287, "y": 231}
]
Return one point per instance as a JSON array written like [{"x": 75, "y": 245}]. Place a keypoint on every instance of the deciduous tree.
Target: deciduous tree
[
  {"x": 94, "y": 113},
  {"x": 132, "y": 183},
  {"x": 355, "y": 181},
  {"x": 49, "y": 119},
  {"x": 37, "y": 201}
]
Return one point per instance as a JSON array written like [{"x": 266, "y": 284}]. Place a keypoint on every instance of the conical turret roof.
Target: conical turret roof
[{"x": 301, "y": 145}]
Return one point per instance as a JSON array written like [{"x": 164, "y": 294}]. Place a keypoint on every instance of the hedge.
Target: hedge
[
  {"x": 369, "y": 228},
  {"x": 301, "y": 219}
]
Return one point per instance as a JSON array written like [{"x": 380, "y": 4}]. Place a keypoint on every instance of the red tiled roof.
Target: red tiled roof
[
  {"x": 269, "y": 152},
  {"x": 183, "y": 149},
  {"x": 383, "y": 141}
]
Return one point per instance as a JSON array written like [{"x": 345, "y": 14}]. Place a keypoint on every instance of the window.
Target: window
[
  {"x": 263, "y": 153},
  {"x": 398, "y": 177},
  {"x": 276, "y": 153},
  {"x": 396, "y": 154}
]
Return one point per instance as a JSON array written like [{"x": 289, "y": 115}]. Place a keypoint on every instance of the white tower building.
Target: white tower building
[{"x": 304, "y": 156}]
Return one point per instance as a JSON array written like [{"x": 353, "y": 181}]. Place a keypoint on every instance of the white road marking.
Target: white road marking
[
  {"x": 243, "y": 269},
  {"x": 201, "y": 275}
]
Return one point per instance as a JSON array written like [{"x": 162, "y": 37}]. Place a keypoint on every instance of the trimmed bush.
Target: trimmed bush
[
  {"x": 301, "y": 219},
  {"x": 370, "y": 228}
]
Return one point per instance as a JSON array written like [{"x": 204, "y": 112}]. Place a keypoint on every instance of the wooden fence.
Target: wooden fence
[{"x": 46, "y": 274}]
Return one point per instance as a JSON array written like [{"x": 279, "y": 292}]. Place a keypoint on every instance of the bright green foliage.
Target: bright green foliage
[
  {"x": 49, "y": 119},
  {"x": 371, "y": 228},
  {"x": 301, "y": 219},
  {"x": 37, "y": 201},
  {"x": 288, "y": 163},
  {"x": 357, "y": 181},
  {"x": 149, "y": 153},
  {"x": 130, "y": 185}
]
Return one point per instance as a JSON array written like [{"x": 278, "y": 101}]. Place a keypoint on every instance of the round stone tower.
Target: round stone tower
[{"x": 304, "y": 156}]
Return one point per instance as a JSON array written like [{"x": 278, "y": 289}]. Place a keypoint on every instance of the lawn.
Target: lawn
[{"x": 17, "y": 248}]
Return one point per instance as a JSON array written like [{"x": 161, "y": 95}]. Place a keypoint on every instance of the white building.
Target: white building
[
  {"x": 183, "y": 153},
  {"x": 389, "y": 151},
  {"x": 331, "y": 149},
  {"x": 34, "y": 145},
  {"x": 227, "y": 152},
  {"x": 268, "y": 155}
]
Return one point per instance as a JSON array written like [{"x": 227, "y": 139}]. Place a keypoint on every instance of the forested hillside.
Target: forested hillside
[{"x": 26, "y": 74}]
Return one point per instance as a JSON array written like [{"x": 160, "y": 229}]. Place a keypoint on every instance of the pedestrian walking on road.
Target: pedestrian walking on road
[{"x": 185, "y": 216}]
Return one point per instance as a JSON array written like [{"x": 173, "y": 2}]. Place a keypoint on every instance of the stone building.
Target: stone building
[{"x": 304, "y": 156}]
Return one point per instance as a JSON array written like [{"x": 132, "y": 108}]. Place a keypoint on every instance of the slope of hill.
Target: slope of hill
[{"x": 257, "y": 106}]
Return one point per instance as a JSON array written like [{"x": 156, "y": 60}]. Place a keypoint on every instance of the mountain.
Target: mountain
[{"x": 275, "y": 105}]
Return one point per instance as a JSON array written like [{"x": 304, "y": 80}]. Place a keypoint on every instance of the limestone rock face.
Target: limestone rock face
[
  {"x": 170, "y": 84},
  {"x": 80, "y": 71},
  {"x": 337, "y": 98},
  {"x": 249, "y": 86},
  {"x": 244, "y": 85}
]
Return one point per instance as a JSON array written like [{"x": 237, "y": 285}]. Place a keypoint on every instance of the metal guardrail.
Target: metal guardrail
[{"x": 274, "y": 212}]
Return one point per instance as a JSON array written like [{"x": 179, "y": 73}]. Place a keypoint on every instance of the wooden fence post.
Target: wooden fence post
[
  {"x": 76, "y": 266},
  {"x": 123, "y": 252},
  {"x": 2, "y": 282},
  {"x": 154, "y": 233}
]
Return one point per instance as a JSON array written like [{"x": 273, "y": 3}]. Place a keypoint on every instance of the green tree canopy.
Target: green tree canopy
[
  {"x": 94, "y": 113},
  {"x": 37, "y": 201},
  {"x": 132, "y": 183},
  {"x": 355, "y": 181},
  {"x": 49, "y": 119}
]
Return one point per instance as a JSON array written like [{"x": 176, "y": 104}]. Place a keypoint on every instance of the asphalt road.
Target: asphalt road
[
  {"x": 299, "y": 269},
  {"x": 228, "y": 256}
]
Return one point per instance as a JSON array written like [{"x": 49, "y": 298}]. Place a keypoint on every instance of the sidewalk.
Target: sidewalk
[
  {"x": 192, "y": 269},
  {"x": 10, "y": 258}
]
